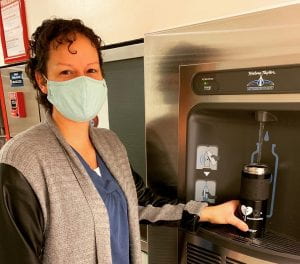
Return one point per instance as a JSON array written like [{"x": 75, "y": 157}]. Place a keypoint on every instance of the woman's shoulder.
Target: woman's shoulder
[{"x": 25, "y": 143}]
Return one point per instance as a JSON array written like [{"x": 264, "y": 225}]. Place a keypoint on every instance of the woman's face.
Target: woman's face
[{"x": 80, "y": 59}]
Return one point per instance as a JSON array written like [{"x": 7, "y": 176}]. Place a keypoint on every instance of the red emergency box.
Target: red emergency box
[{"x": 17, "y": 104}]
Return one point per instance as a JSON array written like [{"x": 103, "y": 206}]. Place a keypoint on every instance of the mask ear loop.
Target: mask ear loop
[
  {"x": 45, "y": 81},
  {"x": 45, "y": 78}
]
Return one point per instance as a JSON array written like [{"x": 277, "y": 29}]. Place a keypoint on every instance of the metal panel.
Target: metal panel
[
  {"x": 17, "y": 125},
  {"x": 254, "y": 40}
]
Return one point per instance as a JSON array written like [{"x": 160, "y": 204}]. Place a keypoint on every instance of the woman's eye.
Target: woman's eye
[
  {"x": 92, "y": 71},
  {"x": 66, "y": 72}
]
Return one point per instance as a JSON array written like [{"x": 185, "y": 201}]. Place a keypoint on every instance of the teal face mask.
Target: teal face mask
[{"x": 79, "y": 99}]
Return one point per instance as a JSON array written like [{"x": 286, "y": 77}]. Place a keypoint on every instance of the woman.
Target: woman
[{"x": 68, "y": 194}]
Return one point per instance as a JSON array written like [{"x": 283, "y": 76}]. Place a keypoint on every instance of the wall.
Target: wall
[
  {"x": 125, "y": 80},
  {"x": 119, "y": 20}
]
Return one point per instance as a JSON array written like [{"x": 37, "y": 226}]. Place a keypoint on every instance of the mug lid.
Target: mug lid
[{"x": 257, "y": 169}]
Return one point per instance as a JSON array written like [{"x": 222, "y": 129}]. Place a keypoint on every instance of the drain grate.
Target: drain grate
[
  {"x": 271, "y": 241},
  {"x": 199, "y": 255},
  {"x": 233, "y": 261}
]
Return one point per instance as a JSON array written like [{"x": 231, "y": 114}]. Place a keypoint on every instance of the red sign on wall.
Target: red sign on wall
[{"x": 13, "y": 30}]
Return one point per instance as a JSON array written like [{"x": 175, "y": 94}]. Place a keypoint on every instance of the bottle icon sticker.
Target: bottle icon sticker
[
  {"x": 274, "y": 174},
  {"x": 205, "y": 191},
  {"x": 207, "y": 157}
]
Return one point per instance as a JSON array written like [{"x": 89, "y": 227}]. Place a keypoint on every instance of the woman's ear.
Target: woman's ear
[{"x": 42, "y": 83}]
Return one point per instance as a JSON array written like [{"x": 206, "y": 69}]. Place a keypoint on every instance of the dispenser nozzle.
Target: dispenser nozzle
[{"x": 264, "y": 116}]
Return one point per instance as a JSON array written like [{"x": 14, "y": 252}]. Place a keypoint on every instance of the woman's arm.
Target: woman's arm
[
  {"x": 21, "y": 219},
  {"x": 158, "y": 209}
]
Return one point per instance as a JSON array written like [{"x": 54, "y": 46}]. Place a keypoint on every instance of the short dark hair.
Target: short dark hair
[{"x": 59, "y": 30}]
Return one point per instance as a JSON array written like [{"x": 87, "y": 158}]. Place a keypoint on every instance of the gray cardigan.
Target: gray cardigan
[{"x": 76, "y": 228}]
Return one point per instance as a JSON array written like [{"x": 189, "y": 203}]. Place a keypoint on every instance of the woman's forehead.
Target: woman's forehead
[{"x": 76, "y": 46}]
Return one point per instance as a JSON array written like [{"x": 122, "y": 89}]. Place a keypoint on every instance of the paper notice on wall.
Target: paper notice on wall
[{"x": 13, "y": 30}]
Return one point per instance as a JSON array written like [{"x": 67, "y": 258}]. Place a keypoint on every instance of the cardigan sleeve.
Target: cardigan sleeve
[
  {"x": 161, "y": 210},
  {"x": 21, "y": 219}
]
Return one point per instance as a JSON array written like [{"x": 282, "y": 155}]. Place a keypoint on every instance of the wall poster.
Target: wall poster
[{"x": 13, "y": 30}]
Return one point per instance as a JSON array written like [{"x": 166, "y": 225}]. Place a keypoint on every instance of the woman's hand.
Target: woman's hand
[{"x": 223, "y": 214}]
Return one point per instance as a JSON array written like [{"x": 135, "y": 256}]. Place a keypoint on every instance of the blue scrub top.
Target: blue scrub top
[{"x": 116, "y": 205}]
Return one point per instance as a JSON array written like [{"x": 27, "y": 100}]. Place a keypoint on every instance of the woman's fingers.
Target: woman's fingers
[
  {"x": 238, "y": 223},
  {"x": 233, "y": 220},
  {"x": 223, "y": 214}
]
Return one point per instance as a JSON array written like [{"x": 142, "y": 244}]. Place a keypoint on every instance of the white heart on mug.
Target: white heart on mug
[{"x": 246, "y": 210}]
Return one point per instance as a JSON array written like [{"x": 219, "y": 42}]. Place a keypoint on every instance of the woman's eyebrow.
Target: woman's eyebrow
[
  {"x": 96, "y": 62},
  {"x": 64, "y": 64},
  {"x": 70, "y": 65}
]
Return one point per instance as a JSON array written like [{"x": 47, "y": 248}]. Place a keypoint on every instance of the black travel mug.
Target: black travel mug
[{"x": 254, "y": 195}]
